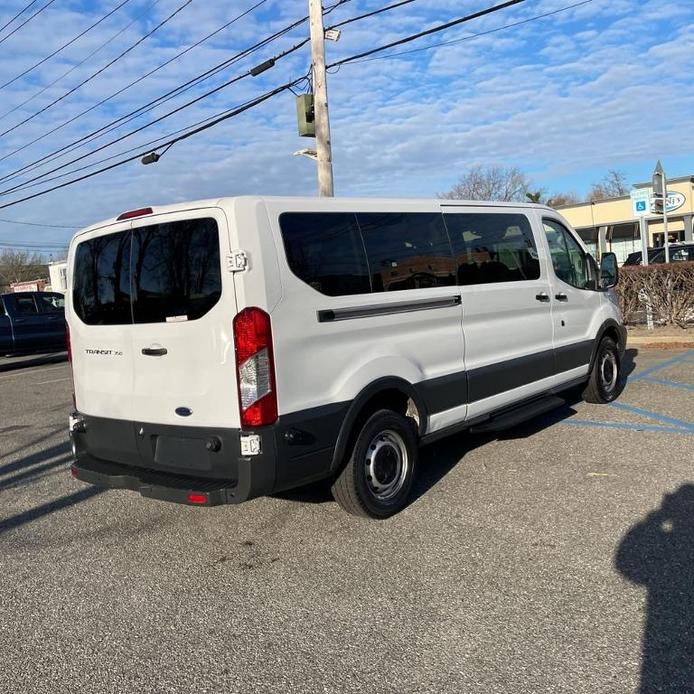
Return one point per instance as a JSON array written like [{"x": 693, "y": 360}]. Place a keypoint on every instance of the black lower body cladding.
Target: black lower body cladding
[{"x": 201, "y": 465}]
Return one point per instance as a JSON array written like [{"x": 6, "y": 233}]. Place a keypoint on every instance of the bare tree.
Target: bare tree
[
  {"x": 18, "y": 266},
  {"x": 612, "y": 185},
  {"x": 490, "y": 183},
  {"x": 559, "y": 199}
]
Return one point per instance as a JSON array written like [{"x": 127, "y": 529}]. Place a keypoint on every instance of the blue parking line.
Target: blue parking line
[
  {"x": 673, "y": 384},
  {"x": 664, "y": 364},
  {"x": 589, "y": 424},
  {"x": 688, "y": 426}
]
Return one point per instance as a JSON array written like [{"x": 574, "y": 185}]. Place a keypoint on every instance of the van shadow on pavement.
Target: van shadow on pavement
[
  {"x": 658, "y": 554},
  {"x": 438, "y": 459}
]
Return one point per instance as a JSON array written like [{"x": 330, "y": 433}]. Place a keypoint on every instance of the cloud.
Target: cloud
[{"x": 563, "y": 98}]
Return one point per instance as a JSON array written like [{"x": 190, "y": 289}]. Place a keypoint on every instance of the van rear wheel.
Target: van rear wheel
[
  {"x": 606, "y": 381},
  {"x": 377, "y": 480}
]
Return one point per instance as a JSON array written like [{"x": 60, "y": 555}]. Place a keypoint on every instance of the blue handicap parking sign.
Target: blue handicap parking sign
[{"x": 640, "y": 205}]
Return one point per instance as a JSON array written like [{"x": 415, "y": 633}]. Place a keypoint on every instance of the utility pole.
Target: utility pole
[
  {"x": 320, "y": 91},
  {"x": 660, "y": 194}
]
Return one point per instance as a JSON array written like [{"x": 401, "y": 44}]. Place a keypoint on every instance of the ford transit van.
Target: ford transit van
[{"x": 227, "y": 349}]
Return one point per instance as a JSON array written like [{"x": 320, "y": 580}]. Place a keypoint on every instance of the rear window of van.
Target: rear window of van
[{"x": 158, "y": 273}]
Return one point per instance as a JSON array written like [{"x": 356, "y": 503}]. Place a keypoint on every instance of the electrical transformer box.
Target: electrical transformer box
[{"x": 305, "y": 115}]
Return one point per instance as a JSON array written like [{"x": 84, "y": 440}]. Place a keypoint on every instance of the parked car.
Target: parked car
[
  {"x": 679, "y": 252},
  {"x": 233, "y": 348},
  {"x": 32, "y": 322}
]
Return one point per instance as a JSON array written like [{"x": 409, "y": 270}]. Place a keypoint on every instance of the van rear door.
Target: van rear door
[
  {"x": 100, "y": 320},
  {"x": 163, "y": 353},
  {"x": 183, "y": 307}
]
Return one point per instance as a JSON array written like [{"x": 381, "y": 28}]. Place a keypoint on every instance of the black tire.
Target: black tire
[
  {"x": 606, "y": 379},
  {"x": 384, "y": 457}
]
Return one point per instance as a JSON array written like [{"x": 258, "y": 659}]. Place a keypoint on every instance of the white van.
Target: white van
[{"x": 232, "y": 348}]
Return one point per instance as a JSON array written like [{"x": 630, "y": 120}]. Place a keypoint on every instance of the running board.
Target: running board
[{"x": 512, "y": 418}]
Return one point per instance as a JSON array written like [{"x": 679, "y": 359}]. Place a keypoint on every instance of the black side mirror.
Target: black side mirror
[{"x": 609, "y": 274}]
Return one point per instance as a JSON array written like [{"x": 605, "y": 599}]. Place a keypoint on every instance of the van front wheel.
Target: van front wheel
[
  {"x": 377, "y": 479},
  {"x": 606, "y": 381}
]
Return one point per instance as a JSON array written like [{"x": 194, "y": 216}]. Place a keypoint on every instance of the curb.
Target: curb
[{"x": 660, "y": 342}]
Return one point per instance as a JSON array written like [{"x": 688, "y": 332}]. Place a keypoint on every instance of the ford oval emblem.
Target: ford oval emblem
[{"x": 184, "y": 411}]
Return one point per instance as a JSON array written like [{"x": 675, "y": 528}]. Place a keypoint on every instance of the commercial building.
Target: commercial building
[
  {"x": 29, "y": 286},
  {"x": 612, "y": 224},
  {"x": 58, "y": 274}
]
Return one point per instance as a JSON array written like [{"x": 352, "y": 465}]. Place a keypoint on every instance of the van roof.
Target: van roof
[{"x": 325, "y": 203}]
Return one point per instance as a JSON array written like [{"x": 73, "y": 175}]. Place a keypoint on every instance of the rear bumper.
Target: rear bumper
[
  {"x": 180, "y": 489},
  {"x": 203, "y": 466}
]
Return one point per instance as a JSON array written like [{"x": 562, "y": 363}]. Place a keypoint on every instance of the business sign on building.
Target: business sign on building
[
  {"x": 641, "y": 201},
  {"x": 674, "y": 201}
]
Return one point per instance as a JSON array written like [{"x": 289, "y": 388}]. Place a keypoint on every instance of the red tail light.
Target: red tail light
[{"x": 255, "y": 368}]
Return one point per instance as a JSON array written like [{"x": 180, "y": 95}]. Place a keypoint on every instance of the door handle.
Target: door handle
[
  {"x": 154, "y": 351},
  {"x": 542, "y": 296},
  {"x": 561, "y": 297}
]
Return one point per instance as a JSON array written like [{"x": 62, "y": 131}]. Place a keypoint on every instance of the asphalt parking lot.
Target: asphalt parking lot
[{"x": 557, "y": 558}]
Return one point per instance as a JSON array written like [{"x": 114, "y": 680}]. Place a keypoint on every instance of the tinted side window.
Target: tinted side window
[
  {"x": 176, "y": 272},
  {"x": 24, "y": 305},
  {"x": 408, "y": 250},
  {"x": 50, "y": 303},
  {"x": 325, "y": 250},
  {"x": 101, "y": 287},
  {"x": 495, "y": 247},
  {"x": 568, "y": 258}
]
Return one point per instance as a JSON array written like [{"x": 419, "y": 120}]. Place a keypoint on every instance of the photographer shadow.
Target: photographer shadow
[{"x": 658, "y": 554}]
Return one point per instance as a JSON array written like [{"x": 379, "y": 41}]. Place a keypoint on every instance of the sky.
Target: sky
[{"x": 607, "y": 84}]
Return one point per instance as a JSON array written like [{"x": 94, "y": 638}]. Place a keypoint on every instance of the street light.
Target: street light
[{"x": 310, "y": 153}]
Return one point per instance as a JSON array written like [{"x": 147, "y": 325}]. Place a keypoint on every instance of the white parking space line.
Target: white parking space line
[{"x": 43, "y": 383}]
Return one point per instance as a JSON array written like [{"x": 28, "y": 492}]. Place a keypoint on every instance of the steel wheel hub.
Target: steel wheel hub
[
  {"x": 386, "y": 465},
  {"x": 608, "y": 371}
]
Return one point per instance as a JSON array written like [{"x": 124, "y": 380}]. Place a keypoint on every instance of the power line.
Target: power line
[
  {"x": 257, "y": 101},
  {"x": 433, "y": 30},
  {"x": 117, "y": 93},
  {"x": 142, "y": 147},
  {"x": 26, "y": 21},
  {"x": 21, "y": 12},
  {"x": 195, "y": 131},
  {"x": 98, "y": 72},
  {"x": 155, "y": 102},
  {"x": 250, "y": 73},
  {"x": 476, "y": 35},
  {"x": 52, "y": 247},
  {"x": 35, "y": 224},
  {"x": 371, "y": 14},
  {"x": 82, "y": 62},
  {"x": 65, "y": 45}
]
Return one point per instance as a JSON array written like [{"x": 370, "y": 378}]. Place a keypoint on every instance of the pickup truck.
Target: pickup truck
[{"x": 32, "y": 322}]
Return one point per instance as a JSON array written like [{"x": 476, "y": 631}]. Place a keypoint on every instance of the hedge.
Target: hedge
[{"x": 669, "y": 288}]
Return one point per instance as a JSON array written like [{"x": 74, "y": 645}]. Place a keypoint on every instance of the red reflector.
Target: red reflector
[
  {"x": 134, "y": 213},
  {"x": 197, "y": 498},
  {"x": 73, "y": 471}
]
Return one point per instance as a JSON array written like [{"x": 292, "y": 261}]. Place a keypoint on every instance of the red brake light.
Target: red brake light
[
  {"x": 197, "y": 498},
  {"x": 255, "y": 368},
  {"x": 134, "y": 213}
]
